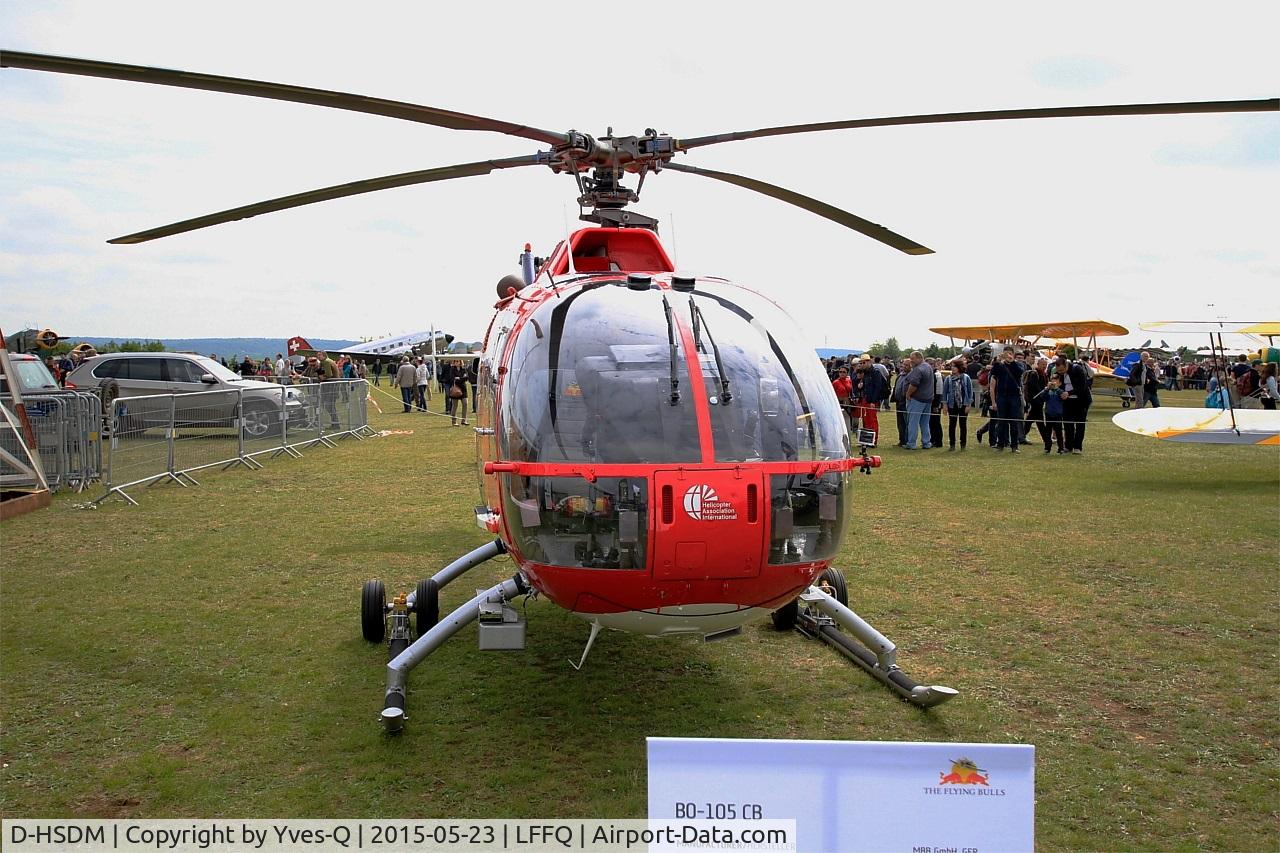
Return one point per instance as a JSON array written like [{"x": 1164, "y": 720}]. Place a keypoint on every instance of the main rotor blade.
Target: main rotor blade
[
  {"x": 277, "y": 91},
  {"x": 1265, "y": 105},
  {"x": 835, "y": 214},
  {"x": 404, "y": 179}
]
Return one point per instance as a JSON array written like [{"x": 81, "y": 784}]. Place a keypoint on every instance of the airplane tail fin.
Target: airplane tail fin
[
  {"x": 1126, "y": 364},
  {"x": 298, "y": 343}
]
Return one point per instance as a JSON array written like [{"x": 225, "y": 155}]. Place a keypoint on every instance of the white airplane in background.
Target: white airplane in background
[{"x": 388, "y": 348}]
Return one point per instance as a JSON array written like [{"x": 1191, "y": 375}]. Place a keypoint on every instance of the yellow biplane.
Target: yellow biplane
[{"x": 986, "y": 342}]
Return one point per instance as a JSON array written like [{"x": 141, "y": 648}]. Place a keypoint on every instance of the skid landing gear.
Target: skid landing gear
[
  {"x": 500, "y": 628},
  {"x": 820, "y": 615}
]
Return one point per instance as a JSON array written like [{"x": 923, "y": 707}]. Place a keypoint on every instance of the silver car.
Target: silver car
[
  {"x": 123, "y": 375},
  {"x": 33, "y": 376}
]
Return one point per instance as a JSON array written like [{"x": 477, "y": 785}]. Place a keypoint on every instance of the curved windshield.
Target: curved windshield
[
  {"x": 779, "y": 405},
  {"x": 599, "y": 375},
  {"x": 32, "y": 375},
  {"x": 211, "y": 366}
]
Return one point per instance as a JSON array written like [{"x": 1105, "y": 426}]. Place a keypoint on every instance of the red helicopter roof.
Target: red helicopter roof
[{"x": 611, "y": 250}]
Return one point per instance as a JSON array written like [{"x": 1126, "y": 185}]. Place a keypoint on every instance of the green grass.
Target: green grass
[{"x": 200, "y": 655}]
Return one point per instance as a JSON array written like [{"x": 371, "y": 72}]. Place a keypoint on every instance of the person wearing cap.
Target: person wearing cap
[
  {"x": 406, "y": 380},
  {"x": 312, "y": 370}
]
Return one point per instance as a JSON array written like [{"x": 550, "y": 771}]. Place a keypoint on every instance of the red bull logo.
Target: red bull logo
[{"x": 964, "y": 772}]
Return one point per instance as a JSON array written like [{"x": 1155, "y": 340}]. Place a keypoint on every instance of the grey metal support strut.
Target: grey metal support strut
[
  {"x": 398, "y": 668},
  {"x": 461, "y": 566},
  {"x": 876, "y": 654}
]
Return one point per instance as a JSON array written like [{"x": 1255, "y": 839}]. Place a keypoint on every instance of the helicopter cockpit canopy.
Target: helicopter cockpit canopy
[{"x": 601, "y": 375}]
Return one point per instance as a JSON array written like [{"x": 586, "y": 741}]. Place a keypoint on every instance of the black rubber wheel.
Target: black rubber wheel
[
  {"x": 784, "y": 618},
  {"x": 373, "y": 611},
  {"x": 834, "y": 578},
  {"x": 426, "y": 603},
  {"x": 258, "y": 421},
  {"x": 108, "y": 391}
]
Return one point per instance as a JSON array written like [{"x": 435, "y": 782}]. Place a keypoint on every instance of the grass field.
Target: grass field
[{"x": 200, "y": 655}]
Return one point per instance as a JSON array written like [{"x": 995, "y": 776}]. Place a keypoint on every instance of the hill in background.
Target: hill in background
[{"x": 224, "y": 347}]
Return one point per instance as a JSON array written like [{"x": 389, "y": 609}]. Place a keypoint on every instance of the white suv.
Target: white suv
[{"x": 137, "y": 374}]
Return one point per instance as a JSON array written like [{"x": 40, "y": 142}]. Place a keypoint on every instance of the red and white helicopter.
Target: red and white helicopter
[{"x": 660, "y": 454}]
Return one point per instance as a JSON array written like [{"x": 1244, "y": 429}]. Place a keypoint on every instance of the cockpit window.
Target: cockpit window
[
  {"x": 809, "y": 515},
  {"x": 779, "y": 407},
  {"x": 568, "y": 521},
  {"x": 591, "y": 381}
]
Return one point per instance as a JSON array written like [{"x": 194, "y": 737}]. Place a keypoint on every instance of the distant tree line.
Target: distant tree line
[
  {"x": 112, "y": 346},
  {"x": 891, "y": 349}
]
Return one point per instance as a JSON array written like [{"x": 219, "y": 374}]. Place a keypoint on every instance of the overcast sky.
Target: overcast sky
[{"x": 1124, "y": 219}]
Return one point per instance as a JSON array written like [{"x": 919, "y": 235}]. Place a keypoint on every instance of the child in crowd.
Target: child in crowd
[{"x": 1051, "y": 429}]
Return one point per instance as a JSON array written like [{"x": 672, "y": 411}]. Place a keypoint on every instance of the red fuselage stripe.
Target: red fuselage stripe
[{"x": 696, "y": 389}]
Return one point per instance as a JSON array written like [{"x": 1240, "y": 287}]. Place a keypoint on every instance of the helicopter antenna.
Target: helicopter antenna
[
  {"x": 675, "y": 248},
  {"x": 568, "y": 247}
]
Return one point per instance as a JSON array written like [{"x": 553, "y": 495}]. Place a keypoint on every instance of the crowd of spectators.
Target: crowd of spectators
[
  {"x": 1021, "y": 394},
  {"x": 1017, "y": 392}
]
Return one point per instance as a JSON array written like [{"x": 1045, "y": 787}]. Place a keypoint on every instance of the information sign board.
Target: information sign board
[{"x": 855, "y": 795}]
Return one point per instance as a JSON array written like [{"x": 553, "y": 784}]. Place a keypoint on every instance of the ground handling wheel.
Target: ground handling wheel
[
  {"x": 426, "y": 603},
  {"x": 832, "y": 582},
  {"x": 373, "y": 611}
]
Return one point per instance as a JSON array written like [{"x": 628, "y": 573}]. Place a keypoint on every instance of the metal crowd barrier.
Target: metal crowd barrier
[
  {"x": 168, "y": 437},
  {"x": 68, "y": 428}
]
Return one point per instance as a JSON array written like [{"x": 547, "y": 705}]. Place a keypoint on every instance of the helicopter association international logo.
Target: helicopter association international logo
[
  {"x": 703, "y": 504},
  {"x": 967, "y": 778}
]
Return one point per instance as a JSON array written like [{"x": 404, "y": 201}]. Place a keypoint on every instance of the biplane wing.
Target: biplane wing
[
  {"x": 1204, "y": 426},
  {"x": 1015, "y": 331},
  {"x": 1265, "y": 328}
]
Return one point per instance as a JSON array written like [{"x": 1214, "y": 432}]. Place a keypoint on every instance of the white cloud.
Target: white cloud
[{"x": 1074, "y": 72}]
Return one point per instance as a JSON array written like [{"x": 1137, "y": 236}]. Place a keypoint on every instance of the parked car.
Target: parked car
[
  {"x": 33, "y": 376},
  {"x": 127, "y": 375}
]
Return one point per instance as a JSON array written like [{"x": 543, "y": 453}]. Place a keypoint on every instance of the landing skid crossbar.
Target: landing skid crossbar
[{"x": 819, "y": 616}]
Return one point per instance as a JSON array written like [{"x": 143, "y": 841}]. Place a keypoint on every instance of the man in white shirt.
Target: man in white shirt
[{"x": 283, "y": 371}]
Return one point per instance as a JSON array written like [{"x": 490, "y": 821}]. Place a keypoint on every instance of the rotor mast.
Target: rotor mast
[{"x": 608, "y": 159}]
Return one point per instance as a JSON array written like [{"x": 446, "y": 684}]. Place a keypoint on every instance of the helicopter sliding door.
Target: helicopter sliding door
[{"x": 709, "y": 524}]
